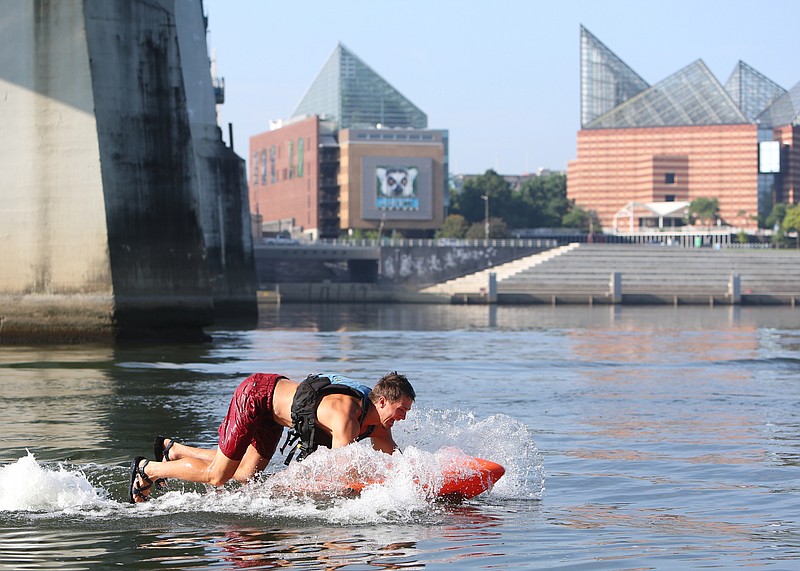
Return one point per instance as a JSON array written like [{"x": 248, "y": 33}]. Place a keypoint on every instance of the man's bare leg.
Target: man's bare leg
[
  {"x": 251, "y": 464},
  {"x": 216, "y": 472},
  {"x": 178, "y": 451}
]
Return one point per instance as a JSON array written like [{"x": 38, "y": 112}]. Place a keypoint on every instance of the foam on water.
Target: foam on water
[
  {"x": 315, "y": 489},
  {"x": 26, "y": 485},
  {"x": 499, "y": 438},
  {"x": 402, "y": 490}
]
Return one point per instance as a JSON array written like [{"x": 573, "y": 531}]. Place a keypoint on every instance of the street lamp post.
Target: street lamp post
[
  {"x": 380, "y": 228},
  {"x": 485, "y": 198}
]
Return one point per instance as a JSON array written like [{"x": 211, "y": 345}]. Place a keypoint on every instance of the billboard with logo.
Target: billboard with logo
[{"x": 396, "y": 188}]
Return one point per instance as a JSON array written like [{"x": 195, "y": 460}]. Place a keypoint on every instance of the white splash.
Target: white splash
[
  {"x": 317, "y": 489},
  {"x": 28, "y": 486},
  {"x": 400, "y": 487},
  {"x": 499, "y": 438}
]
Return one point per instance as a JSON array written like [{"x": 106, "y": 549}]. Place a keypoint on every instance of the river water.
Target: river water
[{"x": 633, "y": 438}]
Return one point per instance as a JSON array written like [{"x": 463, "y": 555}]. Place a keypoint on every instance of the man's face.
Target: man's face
[{"x": 390, "y": 412}]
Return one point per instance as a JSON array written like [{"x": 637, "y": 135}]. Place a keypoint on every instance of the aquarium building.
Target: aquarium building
[
  {"x": 355, "y": 155},
  {"x": 685, "y": 137}
]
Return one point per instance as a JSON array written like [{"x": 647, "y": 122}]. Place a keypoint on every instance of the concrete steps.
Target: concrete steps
[
  {"x": 645, "y": 274},
  {"x": 478, "y": 281}
]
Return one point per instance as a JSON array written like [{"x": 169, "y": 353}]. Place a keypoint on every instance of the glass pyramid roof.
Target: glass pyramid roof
[
  {"x": 785, "y": 110},
  {"x": 350, "y": 94},
  {"x": 606, "y": 80},
  {"x": 692, "y": 96},
  {"x": 752, "y": 91}
]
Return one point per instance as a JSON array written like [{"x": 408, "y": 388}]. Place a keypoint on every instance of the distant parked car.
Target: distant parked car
[{"x": 281, "y": 240}]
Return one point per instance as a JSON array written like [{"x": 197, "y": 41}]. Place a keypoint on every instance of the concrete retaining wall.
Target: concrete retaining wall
[
  {"x": 409, "y": 266},
  {"x": 424, "y": 265}
]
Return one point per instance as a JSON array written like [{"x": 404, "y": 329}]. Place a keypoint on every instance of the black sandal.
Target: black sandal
[
  {"x": 136, "y": 470},
  {"x": 161, "y": 452}
]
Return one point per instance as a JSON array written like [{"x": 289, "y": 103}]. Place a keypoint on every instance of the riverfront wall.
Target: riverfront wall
[
  {"x": 640, "y": 274},
  {"x": 122, "y": 213},
  {"x": 576, "y": 273},
  {"x": 405, "y": 264}
]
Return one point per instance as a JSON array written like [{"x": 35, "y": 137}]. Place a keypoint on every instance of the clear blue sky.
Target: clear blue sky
[{"x": 502, "y": 76}]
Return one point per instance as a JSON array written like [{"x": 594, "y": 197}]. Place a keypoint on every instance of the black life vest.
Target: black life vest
[{"x": 306, "y": 400}]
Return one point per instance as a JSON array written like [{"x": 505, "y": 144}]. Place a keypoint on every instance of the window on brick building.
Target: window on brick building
[
  {"x": 669, "y": 178},
  {"x": 300, "y": 149}
]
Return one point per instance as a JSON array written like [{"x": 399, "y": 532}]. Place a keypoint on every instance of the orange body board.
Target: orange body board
[{"x": 463, "y": 479}]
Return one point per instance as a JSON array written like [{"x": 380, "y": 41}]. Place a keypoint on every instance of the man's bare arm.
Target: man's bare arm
[
  {"x": 340, "y": 415},
  {"x": 383, "y": 440}
]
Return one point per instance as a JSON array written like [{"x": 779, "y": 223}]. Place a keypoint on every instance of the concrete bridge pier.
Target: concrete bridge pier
[{"x": 120, "y": 214}]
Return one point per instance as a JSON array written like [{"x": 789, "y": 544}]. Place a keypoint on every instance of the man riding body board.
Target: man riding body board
[{"x": 341, "y": 412}]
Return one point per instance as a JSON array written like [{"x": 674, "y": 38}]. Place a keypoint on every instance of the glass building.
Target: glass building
[
  {"x": 685, "y": 137},
  {"x": 332, "y": 166},
  {"x": 606, "y": 80},
  {"x": 692, "y": 96},
  {"x": 350, "y": 94},
  {"x": 751, "y": 91},
  {"x": 614, "y": 96}
]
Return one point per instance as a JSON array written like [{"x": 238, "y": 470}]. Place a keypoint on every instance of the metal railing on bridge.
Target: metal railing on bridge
[{"x": 448, "y": 242}]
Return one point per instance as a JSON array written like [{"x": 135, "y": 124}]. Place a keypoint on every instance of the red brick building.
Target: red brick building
[
  {"x": 285, "y": 175},
  {"x": 356, "y": 155},
  {"x": 687, "y": 137},
  {"x": 667, "y": 164}
]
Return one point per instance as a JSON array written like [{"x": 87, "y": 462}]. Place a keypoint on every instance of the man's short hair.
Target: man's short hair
[{"x": 393, "y": 387}]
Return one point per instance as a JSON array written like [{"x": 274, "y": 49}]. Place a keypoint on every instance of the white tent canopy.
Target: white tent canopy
[{"x": 635, "y": 211}]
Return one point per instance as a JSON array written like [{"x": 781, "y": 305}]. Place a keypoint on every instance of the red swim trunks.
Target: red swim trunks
[{"x": 249, "y": 419}]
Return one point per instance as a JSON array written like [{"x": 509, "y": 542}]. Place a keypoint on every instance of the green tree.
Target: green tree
[
  {"x": 540, "y": 202},
  {"x": 497, "y": 230},
  {"x": 543, "y": 202},
  {"x": 455, "y": 226},
  {"x": 360, "y": 234},
  {"x": 706, "y": 210},
  {"x": 470, "y": 204},
  {"x": 586, "y": 220},
  {"x": 777, "y": 215},
  {"x": 791, "y": 222}
]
